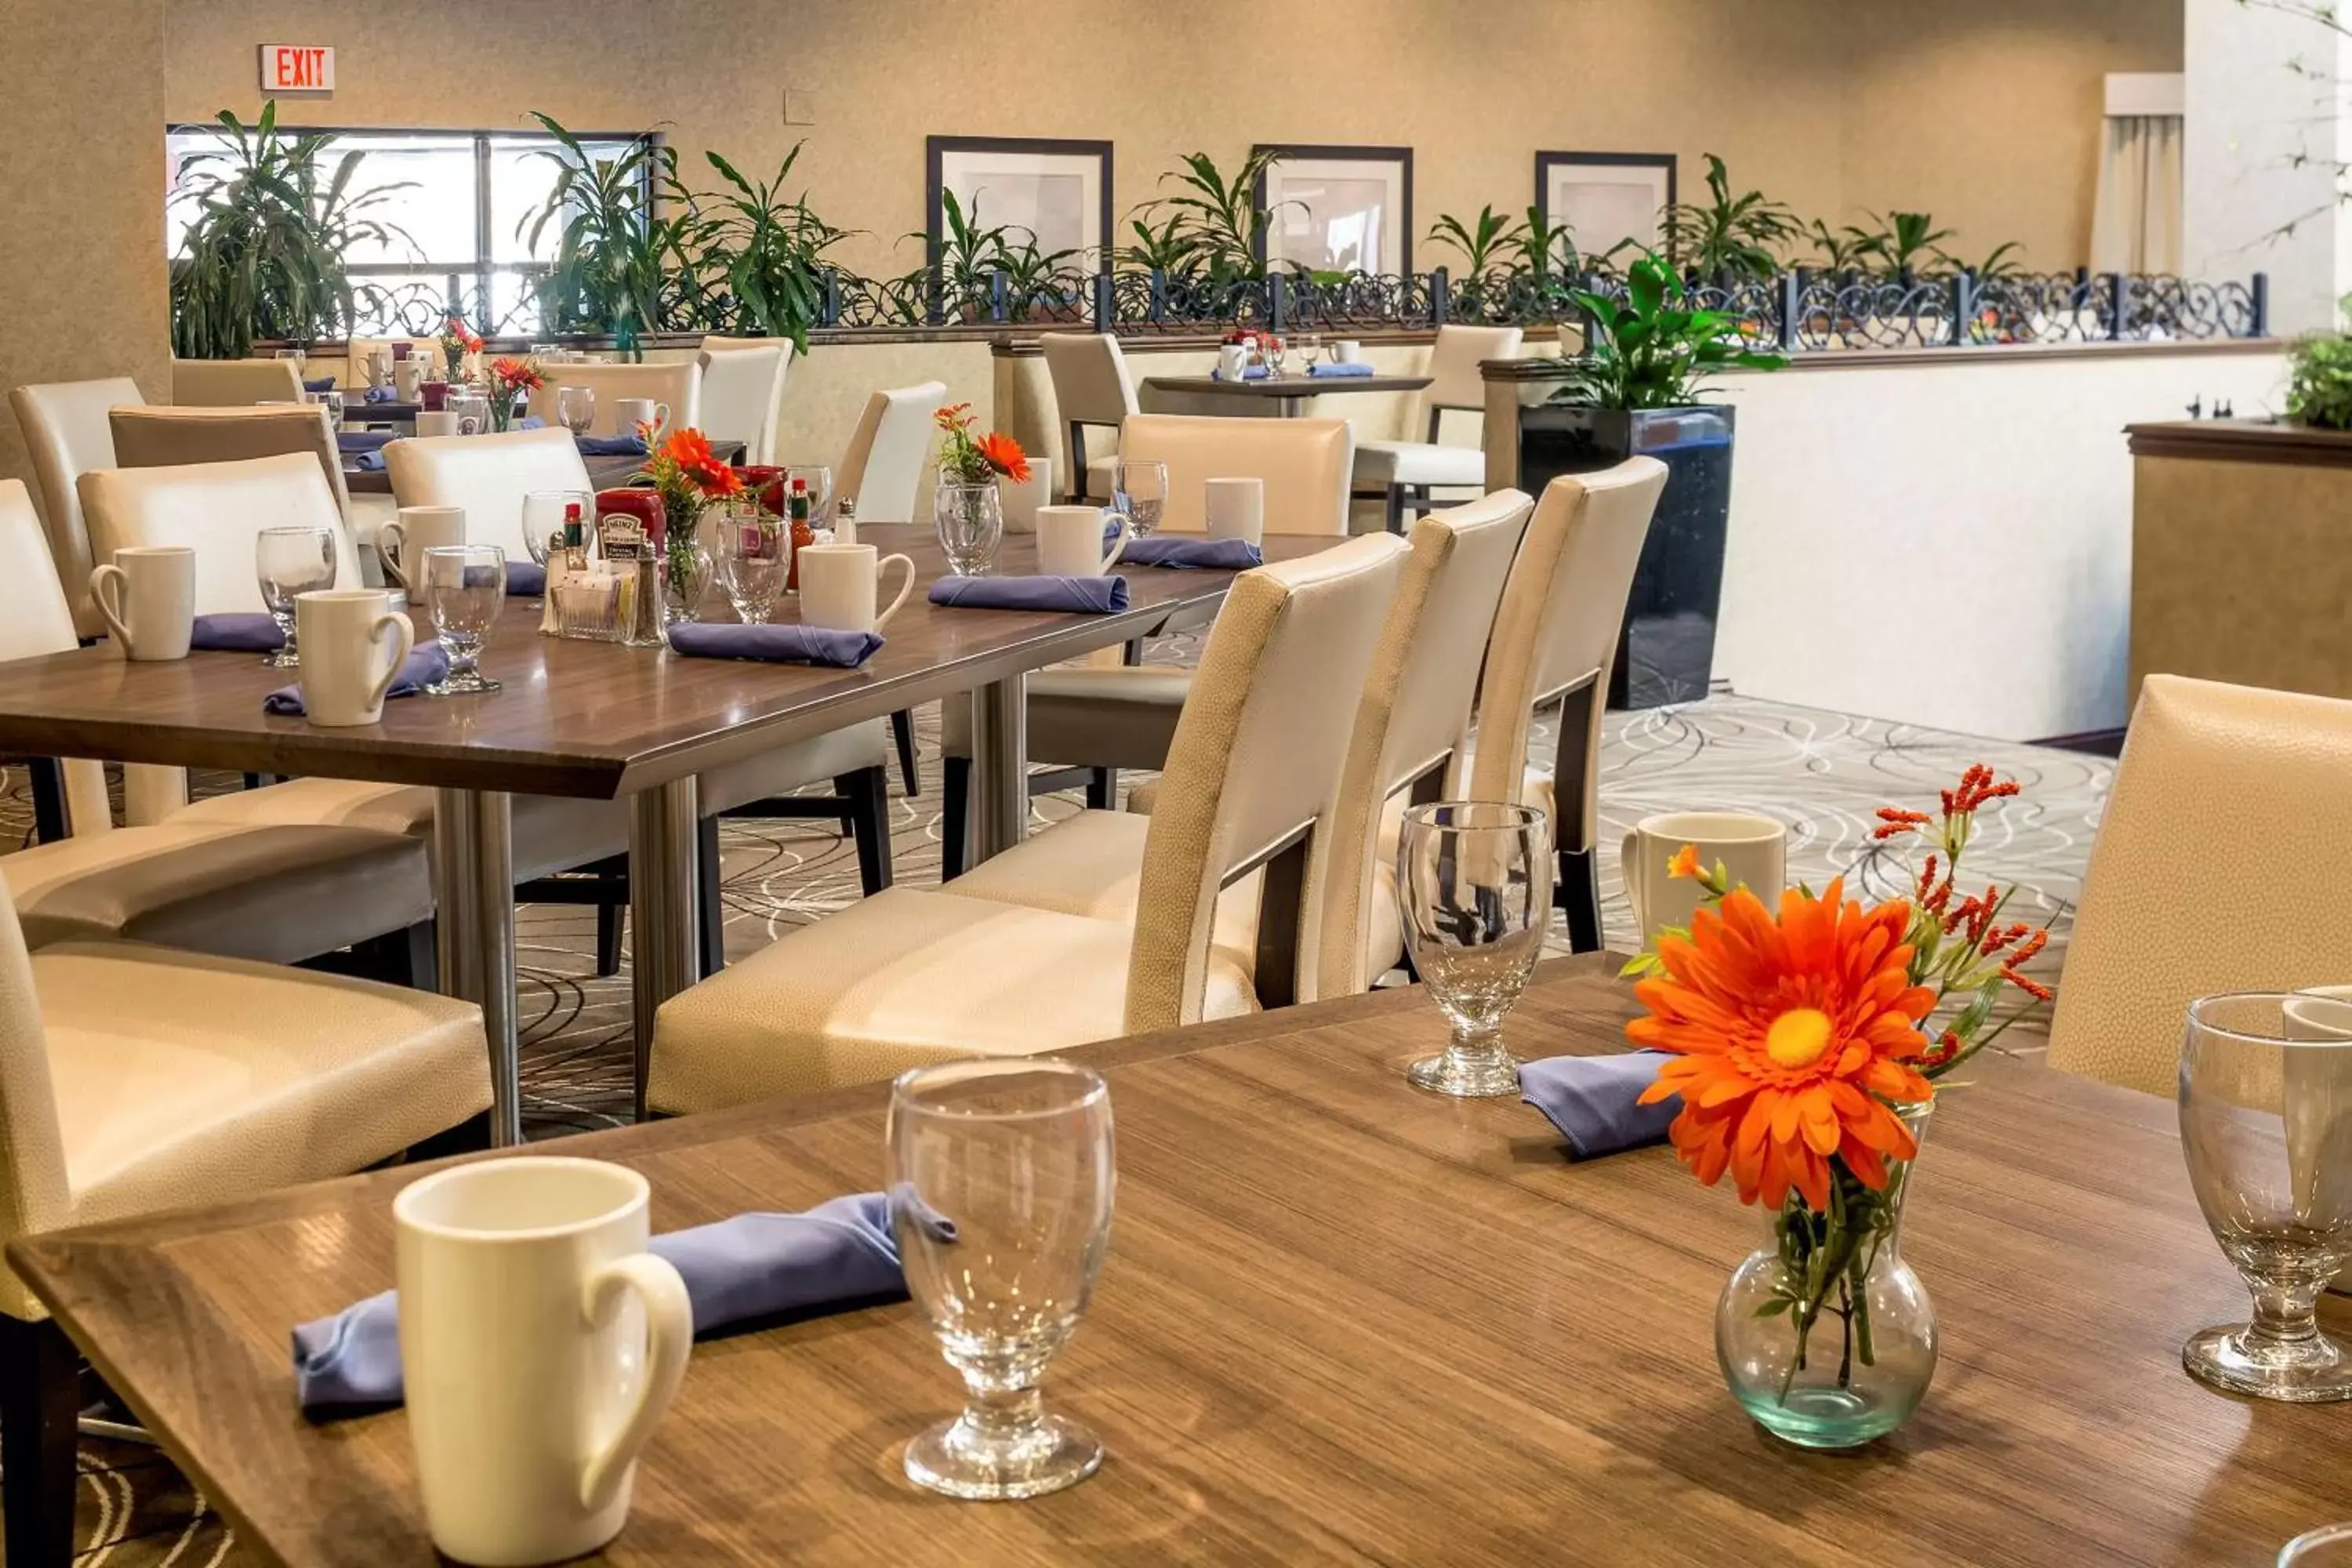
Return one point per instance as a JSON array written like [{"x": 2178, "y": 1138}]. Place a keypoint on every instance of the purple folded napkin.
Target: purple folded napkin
[
  {"x": 531, "y": 422},
  {"x": 1337, "y": 368},
  {"x": 525, "y": 579},
  {"x": 249, "y": 631},
  {"x": 610, "y": 446},
  {"x": 1251, "y": 373},
  {"x": 1590, "y": 1101},
  {"x": 365, "y": 462},
  {"x": 775, "y": 645},
  {"x": 1191, "y": 554},
  {"x": 1090, "y": 595},
  {"x": 324, "y": 383},
  {"x": 754, "y": 1266},
  {"x": 425, "y": 665},
  {"x": 382, "y": 394},
  {"x": 364, "y": 441}
]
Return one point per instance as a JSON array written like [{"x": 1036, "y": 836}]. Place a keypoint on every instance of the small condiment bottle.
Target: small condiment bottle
[
  {"x": 844, "y": 521},
  {"x": 804, "y": 532}
]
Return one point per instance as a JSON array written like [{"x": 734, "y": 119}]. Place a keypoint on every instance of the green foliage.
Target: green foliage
[
  {"x": 1653, "y": 351},
  {"x": 1480, "y": 242},
  {"x": 1735, "y": 237},
  {"x": 2000, "y": 264},
  {"x": 1219, "y": 218},
  {"x": 766, "y": 254},
  {"x": 1167, "y": 248},
  {"x": 613, "y": 251},
  {"x": 2319, "y": 378},
  {"x": 264, "y": 255},
  {"x": 1840, "y": 249},
  {"x": 1902, "y": 243}
]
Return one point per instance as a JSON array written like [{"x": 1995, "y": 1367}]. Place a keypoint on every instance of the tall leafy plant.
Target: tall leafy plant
[
  {"x": 1480, "y": 242},
  {"x": 265, "y": 254},
  {"x": 1651, "y": 350},
  {"x": 761, "y": 254},
  {"x": 614, "y": 253},
  {"x": 2319, "y": 377},
  {"x": 1902, "y": 243},
  {"x": 1737, "y": 237},
  {"x": 1219, "y": 216}
]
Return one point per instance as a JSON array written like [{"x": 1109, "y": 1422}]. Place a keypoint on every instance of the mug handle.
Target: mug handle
[
  {"x": 1629, "y": 863},
  {"x": 405, "y": 632},
  {"x": 661, "y": 418},
  {"x": 111, "y": 608},
  {"x": 1118, "y": 545},
  {"x": 669, "y": 1340},
  {"x": 469, "y": 425},
  {"x": 905, "y": 588},
  {"x": 390, "y": 559}
]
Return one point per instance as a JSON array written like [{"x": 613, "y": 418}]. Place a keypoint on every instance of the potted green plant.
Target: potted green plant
[
  {"x": 2319, "y": 378},
  {"x": 1729, "y": 240},
  {"x": 1634, "y": 390}
]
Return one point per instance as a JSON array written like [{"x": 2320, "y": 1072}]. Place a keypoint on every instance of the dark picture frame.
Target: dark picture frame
[
  {"x": 1384, "y": 160},
  {"x": 939, "y": 150},
  {"x": 1546, "y": 163}
]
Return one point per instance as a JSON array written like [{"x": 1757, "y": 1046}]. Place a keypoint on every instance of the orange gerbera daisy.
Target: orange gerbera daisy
[
  {"x": 1005, "y": 456},
  {"x": 1790, "y": 1035}
]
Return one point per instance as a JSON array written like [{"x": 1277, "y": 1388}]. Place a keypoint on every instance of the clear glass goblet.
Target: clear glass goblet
[
  {"x": 465, "y": 588},
  {"x": 1276, "y": 350},
  {"x": 970, "y": 523},
  {"x": 2329, "y": 1546},
  {"x": 1310, "y": 349},
  {"x": 753, "y": 555},
  {"x": 2266, "y": 1125},
  {"x": 544, "y": 514},
  {"x": 1001, "y": 1189},
  {"x": 288, "y": 562},
  {"x": 1474, "y": 881},
  {"x": 575, "y": 408},
  {"x": 1140, "y": 489}
]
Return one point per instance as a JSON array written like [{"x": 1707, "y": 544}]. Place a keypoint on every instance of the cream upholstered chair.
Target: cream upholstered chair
[
  {"x": 1304, "y": 462},
  {"x": 222, "y": 382},
  {"x": 153, "y": 438},
  {"x": 34, "y": 620},
  {"x": 882, "y": 469},
  {"x": 1092, "y": 387},
  {"x": 216, "y": 509},
  {"x": 742, "y": 392},
  {"x": 2220, "y": 866},
  {"x": 487, "y": 476},
  {"x": 1411, "y": 726},
  {"x": 1403, "y": 471},
  {"x": 1555, "y": 639},
  {"x": 135, "y": 1079},
  {"x": 913, "y": 977},
  {"x": 678, "y": 383},
  {"x": 66, "y": 429}
]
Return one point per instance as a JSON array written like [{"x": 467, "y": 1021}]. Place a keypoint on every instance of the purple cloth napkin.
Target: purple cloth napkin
[
  {"x": 324, "y": 383},
  {"x": 753, "y": 1267},
  {"x": 775, "y": 645},
  {"x": 366, "y": 462},
  {"x": 610, "y": 446},
  {"x": 1249, "y": 373},
  {"x": 1335, "y": 368},
  {"x": 245, "y": 632},
  {"x": 425, "y": 665},
  {"x": 1090, "y": 595},
  {"x": 364, "y": 441},
  {"x": 382, "y": 394},
  {"x": 1190, "y": 554},
  {"x": 1590, "y": 1101},
  {"x": 525, "y": 579}
]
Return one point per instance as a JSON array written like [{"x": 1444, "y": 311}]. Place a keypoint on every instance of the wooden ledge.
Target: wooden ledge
[{"x": 2243, "y": 441}]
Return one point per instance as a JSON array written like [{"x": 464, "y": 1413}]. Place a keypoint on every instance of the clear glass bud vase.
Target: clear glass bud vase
[
  {"x": 970, "y": 521},
  {"x": 1825, "y": 1335}
]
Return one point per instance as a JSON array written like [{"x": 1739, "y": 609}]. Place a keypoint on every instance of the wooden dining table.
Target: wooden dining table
[
  {"x": 595, "y": 720},
  {"x": 1287, "y": 395},
  {"x": 1340, "y": 1320}
]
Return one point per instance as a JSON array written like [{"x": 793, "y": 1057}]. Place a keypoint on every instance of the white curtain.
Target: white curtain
[{"x": 2137, "y": 226}]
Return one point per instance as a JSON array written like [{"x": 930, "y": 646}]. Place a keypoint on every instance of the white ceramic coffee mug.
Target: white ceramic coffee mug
[
  {"x": 1070, "y": 541},
  {"x": 631, "y": 414},
  {"x": 404, "y": 541},
  {"x": 346, "y": 634},
  {"x": 408, "y": 379},
  {"x": 1236, "y": 509},
  {"x": 841, "y": 584},
  {"x": 148, "y": 596},
  {"x": 1754, "y": 850},
  {"x": 1020, "y": 499},
  {"x": 1233, "y": 361},
  {"x": 1346, "y": 351},
  {"x": 539, "y": 1343},
  {"x": 438, "y": 422}
]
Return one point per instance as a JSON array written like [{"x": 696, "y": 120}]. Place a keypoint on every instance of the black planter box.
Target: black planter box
[{"x": 1667, "y": 649}]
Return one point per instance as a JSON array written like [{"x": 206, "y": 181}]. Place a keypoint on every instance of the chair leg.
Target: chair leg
[
  {"x": 1102, "y": 789},
  {"x": 1396, "y": 508},
  {"x": 1131, "y": 652},
  {"x": 48, "y": 776},
  {"x": 40, "y": 1399},
  {"x": 868, "y": 791},
  {"x": 608, "y": 940},
  {"x": 1580, "y": 896},
  {"x": 955, "y": 815},
  {"x": 902, "y": 731},
  {"x": 709, "y": 878}
]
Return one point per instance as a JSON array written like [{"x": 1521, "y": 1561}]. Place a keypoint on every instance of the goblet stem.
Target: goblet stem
[
  {"x": 287, "y": 657},
  {"x": 2284, "y": 1312},
  {"x": 1472, "y": 1066}
]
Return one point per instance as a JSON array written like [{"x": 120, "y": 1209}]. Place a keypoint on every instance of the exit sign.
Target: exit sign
[{"x": 297, "y": 67}]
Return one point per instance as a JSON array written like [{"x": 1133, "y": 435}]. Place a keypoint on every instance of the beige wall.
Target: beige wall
[
  {"x": 1987, "y": 115},
  {"x": 82, "y": 281}
]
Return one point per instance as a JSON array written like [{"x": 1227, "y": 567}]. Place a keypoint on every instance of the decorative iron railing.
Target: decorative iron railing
[{"x": 1797, "y": 311}]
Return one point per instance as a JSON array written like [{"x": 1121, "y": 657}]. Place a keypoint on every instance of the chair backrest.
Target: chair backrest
[
  {"x": 225, "y": 383},
  {"x": 1556, "y": 635},
  {"x": 1453, "y": 359},
  {"x": 34, "y": 620},
  {"x": 678, "y": 383},
  {"x": 1252, "y": 775},
  {"x": 1092, "y": 384},
  {"x": 156, "y": 438},
  {"x": 218, "y": 510},
  {"x": 1414, "y": 715},
  {"x": 2215, "y": 870},
  {"x": 34, "y": 1194},
  {"x": 742, "y": 392},
  {"x": 1306, "y": 464},
  {"x": 66, "y": 431},
  {"x": 487, "y": 475},
  {"x": 883, "y": 466}
]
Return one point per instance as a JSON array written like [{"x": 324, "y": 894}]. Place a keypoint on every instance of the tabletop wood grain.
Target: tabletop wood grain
[
  {"x": 1341, "y": 1320},
  {"x": 575, "y": 719}
]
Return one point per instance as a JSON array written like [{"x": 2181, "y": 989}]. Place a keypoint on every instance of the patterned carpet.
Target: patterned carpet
[{"x": 1823, "y": 773}]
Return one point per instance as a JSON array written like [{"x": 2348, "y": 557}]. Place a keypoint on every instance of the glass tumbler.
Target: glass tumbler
[
  {"x": 575, "y": 408},
  {"x": 1474, "y": 880},
  {"x": 1140, "y": 489},
  {"x": 754, "y": 551},
  {"x": 2266, "y": 1127},
  {"x": 287, "y": 562},
  {"x": 465, "y": 588},
  {"x": 1001, "y": 1189}
]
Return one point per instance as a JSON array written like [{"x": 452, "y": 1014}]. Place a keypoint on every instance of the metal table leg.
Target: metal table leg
[
  {"x": 664, "y": 950},
  {"x": 1000, "y": 766},
  {"x": 473, "y": 898}
]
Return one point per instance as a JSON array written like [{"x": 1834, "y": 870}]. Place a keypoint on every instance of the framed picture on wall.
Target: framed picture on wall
[
  {"x": 1057, "y": 191},
  {"x": 1337, "y": 209},
  {"x": 1606, "y": 198}
]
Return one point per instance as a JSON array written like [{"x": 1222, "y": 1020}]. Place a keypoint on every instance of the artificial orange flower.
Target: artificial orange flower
[
  {"x": 1684, "y": 863},
  {"x": 517, "y": 374},
  {"x": 1789, "y": 1036},
  {"x": 1005, "y": 456}
]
